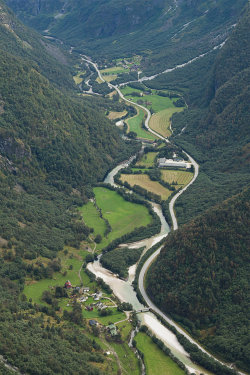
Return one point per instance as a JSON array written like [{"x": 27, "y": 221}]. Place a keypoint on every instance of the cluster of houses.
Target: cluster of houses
[{"x": 99, "y": 305}]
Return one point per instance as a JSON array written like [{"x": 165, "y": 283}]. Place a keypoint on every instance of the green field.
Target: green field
[
  {"x": 160, "y": 122},
  {"x": 181, "y": 177},
  {"x": 144, "y": 181},
  {"x": 34, "y": 289},
  {"x": 122, "y": 216},
  {"x": 134, "y": 124},
  {"x": 114, "y": 70},
  {"x": 92, "y": 218},
  {"x": 147, "y": 159},
  {"x": 157, "y": 102},
  {"x": 156, "y": 361}
]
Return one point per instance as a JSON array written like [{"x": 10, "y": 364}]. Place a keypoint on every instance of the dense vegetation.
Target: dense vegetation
[
  {"x": 201, "y": 278},
  {"x": 119, "y": 260},
  {"x": 164, "y": 32}
]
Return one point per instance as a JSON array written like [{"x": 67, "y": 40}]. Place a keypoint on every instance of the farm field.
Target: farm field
[
  {"x": 122, "y": 216},
  {"x": 181, "y": 177},
  {"x": 134, "y": 124},
  {"x": 156, "y": 361},
  {"x": 160, "y": 122},
  {"x": 92, "y": 218},
  {"x": 144, "y": 181},
  {"x": 147, "y": 159},
  {"x": 116, "y": 115}
]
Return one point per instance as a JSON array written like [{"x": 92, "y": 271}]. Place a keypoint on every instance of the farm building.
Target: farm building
[
  {"x": 163, "y": 162},
  {"x": 68, "y": 285}
]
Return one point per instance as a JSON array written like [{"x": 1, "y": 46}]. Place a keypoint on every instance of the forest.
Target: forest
[{"x": 201, "y": 278}]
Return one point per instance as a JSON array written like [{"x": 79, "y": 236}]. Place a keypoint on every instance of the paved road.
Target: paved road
[{"x": 151, "y": 259}]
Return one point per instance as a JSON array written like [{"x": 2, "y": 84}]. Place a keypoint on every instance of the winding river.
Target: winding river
[{"x": 124, "y": 289}]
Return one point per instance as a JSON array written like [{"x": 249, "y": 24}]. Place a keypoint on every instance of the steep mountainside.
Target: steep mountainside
[
  {"x": 218, "y": 135},
  {"x": 165, "y": 32},
  {"x": 51, "y": 149},
  {"x": 201, "y": 278},
  {"x": 25, "y": 43}
]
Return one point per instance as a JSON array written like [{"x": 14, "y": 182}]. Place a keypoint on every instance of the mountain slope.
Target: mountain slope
[
  {"x": 52, "y": 149},
  {"x": 25, "y": 43},
  {"x": 164, "y": 32},
  {"x": 201, "y": 278},
  {"x": 217, "y": 135}
]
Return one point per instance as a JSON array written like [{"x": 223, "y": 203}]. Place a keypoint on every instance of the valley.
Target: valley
[{"x": 102, "y": 160}]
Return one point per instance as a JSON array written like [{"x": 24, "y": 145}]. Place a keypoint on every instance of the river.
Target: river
[{"x": 124, "y": 289}]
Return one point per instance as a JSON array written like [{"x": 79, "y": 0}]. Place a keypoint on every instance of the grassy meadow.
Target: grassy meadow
[
  {"x": 135, "y": 125},
  {"x": 144, "y": 181},
  {"x": 156, "y": 361},
  {"x": 147, "y": 160},
  {"x": 92, "y": 218},
  {"x": 34, "y": 289},
  {"x": 122, "y": 216}
]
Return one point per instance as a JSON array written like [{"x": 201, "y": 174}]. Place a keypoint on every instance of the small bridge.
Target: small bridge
[{"x": 146, "y": 309}]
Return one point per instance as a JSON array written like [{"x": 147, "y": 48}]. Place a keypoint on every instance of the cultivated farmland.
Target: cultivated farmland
[
  {"x": 144, "y": 181},
  {"x": 180, "y": 177},
  {"x": 160, "y": 122}
]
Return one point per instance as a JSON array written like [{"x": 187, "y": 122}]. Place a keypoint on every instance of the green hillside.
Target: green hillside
[
  {"x": 201, "y": 278},
  {"x": 52, "y": 148}
]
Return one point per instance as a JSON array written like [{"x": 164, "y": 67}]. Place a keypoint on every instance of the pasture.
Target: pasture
[
  {"x": 92, "y": 218},
  {"x": 144, "y": 181},
  {"x": 156, "y": 361},
  {"x": 122, "y": 216},
  {"x": 135, "y": 125},
  {"x": 147, "y": 160}
]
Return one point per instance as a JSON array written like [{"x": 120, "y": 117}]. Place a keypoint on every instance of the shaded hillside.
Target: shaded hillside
[
  {"x": 25, "y": 43},
  {"x": 201, "y": 278},
  {"x": 218, "y": 135},
  {"x": 164, "y": 32}
]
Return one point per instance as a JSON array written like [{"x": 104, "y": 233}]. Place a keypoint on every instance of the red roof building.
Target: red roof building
[{"x": 67, "y": 285}]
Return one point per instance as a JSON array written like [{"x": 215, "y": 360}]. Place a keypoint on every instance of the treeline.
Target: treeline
[{"x": 119, "y": 260}]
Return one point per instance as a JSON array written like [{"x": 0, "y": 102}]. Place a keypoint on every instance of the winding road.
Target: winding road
[{"x": 153, "y": 257}]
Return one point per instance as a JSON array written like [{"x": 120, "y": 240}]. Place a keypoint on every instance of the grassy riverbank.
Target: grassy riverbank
[{"x": 155, "y": 360}]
